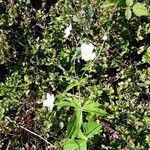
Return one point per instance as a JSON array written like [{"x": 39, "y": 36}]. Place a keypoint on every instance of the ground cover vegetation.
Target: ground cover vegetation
[{"x": 74, "y": 74}]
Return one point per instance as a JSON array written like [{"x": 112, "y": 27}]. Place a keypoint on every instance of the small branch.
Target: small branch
[
  {"x": 36, "y": 135},
  {"x": 7, "y": 148},
  {"x": 31, "y": 132}
]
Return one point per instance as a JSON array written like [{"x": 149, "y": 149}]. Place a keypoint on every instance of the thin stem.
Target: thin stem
[
  {"x": 7, "y": 148},
  {"x": 35, "y": 134}
]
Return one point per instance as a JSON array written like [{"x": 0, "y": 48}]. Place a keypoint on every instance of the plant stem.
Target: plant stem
[{"x": 31, "y": 132}]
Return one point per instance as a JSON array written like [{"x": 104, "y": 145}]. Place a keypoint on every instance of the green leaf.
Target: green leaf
[
  {"x": 108, "y": 3},
  {"x": 98, "y": 111},
  {"x": 146, "y": 57},
  {"x": 140, "y": 9},
  {"x": 65, "y": 103},
  {"x": 81, "y": 135},
  {"x": 147, "y": 119},
  {"x": 74, "y": 124},
  {"x": 128, "y": 13},
  {"x": 68, "y": 102},
  {"x": 129, "y": 2},
  {"x": 148, "y": 139},
  {"x": 70, "y": 144},
  {"x": 75, "y": 83},
  {"x": 90, "y": 103},
  {"x": 91, "y": 128},
  {"x": 148, "y": 50},
  {"x": 93, "y": 107}
]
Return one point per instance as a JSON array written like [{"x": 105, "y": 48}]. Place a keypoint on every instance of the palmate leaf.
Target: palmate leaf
[
  {"x": 68, "y": 102},
  {"x": 93, "y": 107},
  {"x": 91, "y": 128},
  {"x": 98, "y": 111},
  {"x": 79, "y": 82},
  {"x": 70, "y": 144},
  {"x": 74, "y": 124}
]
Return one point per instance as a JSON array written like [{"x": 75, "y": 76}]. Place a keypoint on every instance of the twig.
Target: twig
[
  {"x": 35, "y": 134},
  {"x": 7, "y": 148}
]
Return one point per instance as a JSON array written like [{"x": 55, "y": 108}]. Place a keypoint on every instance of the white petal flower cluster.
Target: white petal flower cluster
[
  {"x": 49, "y": 101},
  {"x": 67, "y": 31},
  {"x": 87, "y": 52}
]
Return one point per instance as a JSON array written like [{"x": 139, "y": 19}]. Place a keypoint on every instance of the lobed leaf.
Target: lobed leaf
[
  {"x": 91, "y": 128},
  {"x": 70, "y": 144},
  {"x": 74, "y": 124}
]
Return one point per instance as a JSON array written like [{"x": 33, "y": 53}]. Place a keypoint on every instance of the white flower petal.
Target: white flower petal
[
  {"x": 91, "y": 47},
  {"x": 70, "y": 27},
  {"x": 50, "y": 97},
  {"x": 92, "y": 56},
  {"x": 49, "y": 102},
  {"x": 67, "y": 31},
  {"x": 87, "y": 51}
]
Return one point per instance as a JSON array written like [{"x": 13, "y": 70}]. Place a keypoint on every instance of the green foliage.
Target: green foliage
[
  {"x": 129, "y": 2},
  {"x": 92, "y": 107},
  {"x": 76, "y": 122},
  {"x": 146, "y": 57},
  {"x": 99, "y": 104},
  {"x": 140, "y": 9},
  {"x": 128, "y": 13},
  {"x": 91, "y": 128},
  {"x": 74, "y": 144}
]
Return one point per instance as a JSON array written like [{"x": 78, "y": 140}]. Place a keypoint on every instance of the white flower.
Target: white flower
[
  {"x": 87, "y": 52},
  {"x": 49, "y": 101},
  {"x": 104, "y": 38},
  {"x": 67, "y": 31}
]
